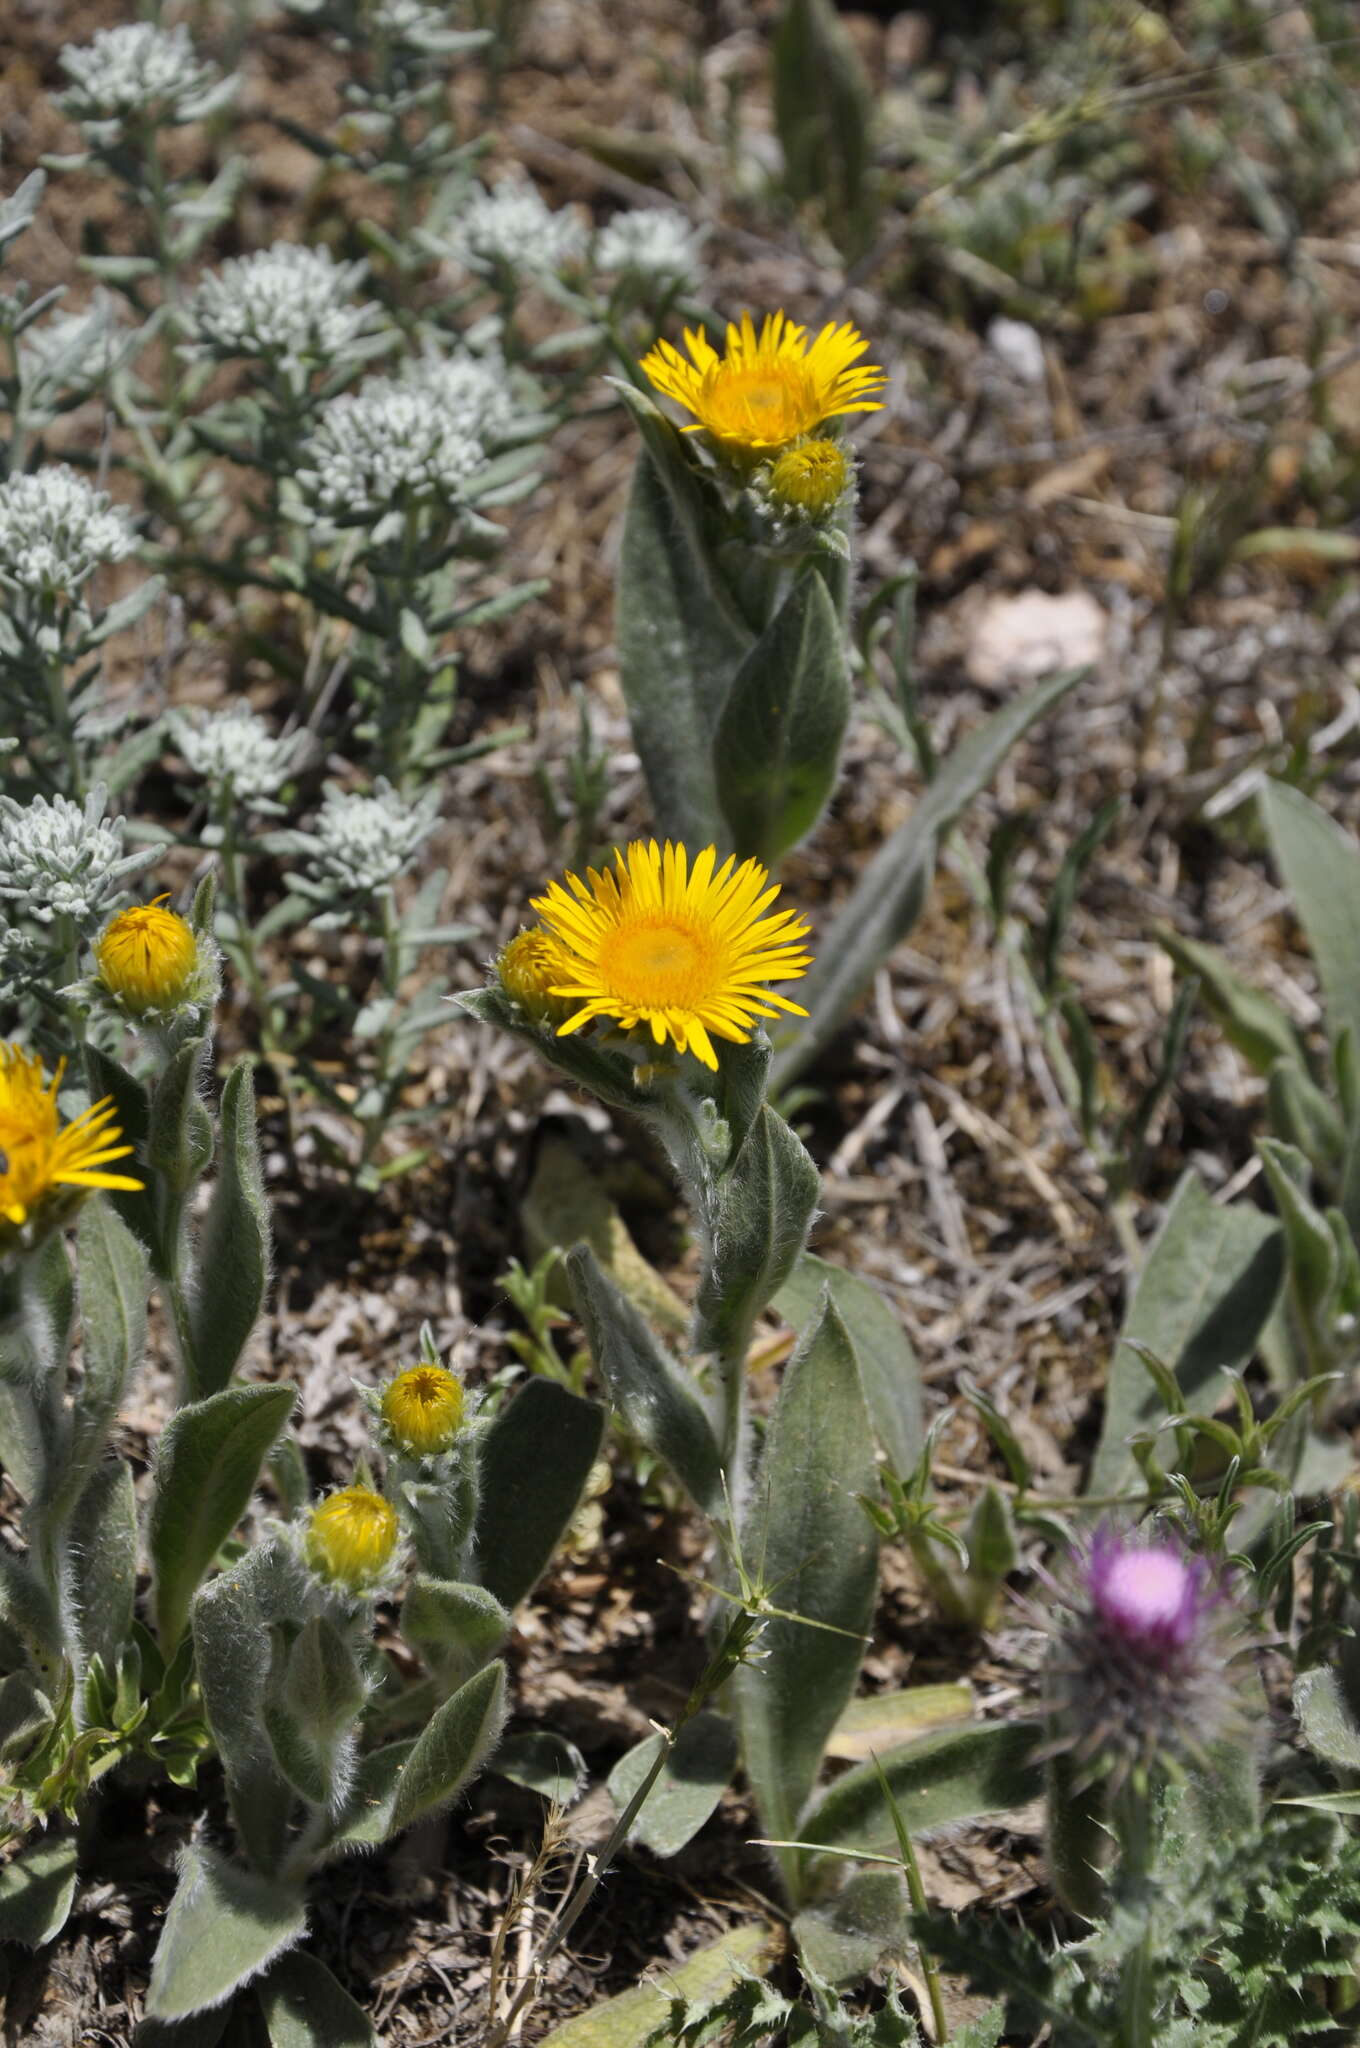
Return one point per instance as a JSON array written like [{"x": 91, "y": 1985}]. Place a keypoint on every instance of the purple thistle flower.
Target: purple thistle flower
[{"x": 1139, "y": 1672}]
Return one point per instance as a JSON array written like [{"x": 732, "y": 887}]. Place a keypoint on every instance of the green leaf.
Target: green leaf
[
  {"x": 179, "y": 1135},
  {"x": 113, "y": 1290},
  {"x": 631, "y": 2017},
  {"x": 304, "y": 2007},
  {"x": 35, "y": 1334},
  {"x": 1329, "y": 1727},
  {"x": 367, "y": 1817},
  {"x": 1312, "y": 1264},
  {"x": 888, "y": 1369},
  {"x": 952, "y": 1776},
  {"x": 819, "y": 1557},
  {"x": 456, "y": 1628},
  {"x": 887, "y": 900},
  {"x": 1200, "y": 1303},
  {"x": 844, "y": 1937},
  {"x": 453, "y": 1746},
  {"x": 1321, "y": 868},
  {"x": 824, "y": 117},
  {"x": 26, "y": 1609},
  {"x": 233, "y": 1250},
  {"x": 655, "y": 1396},
  {"x": 778, "y": 743},
  {"x": 879, "y": 1721},
  {"x": 692, "y": 1781},
  {"x": 102, "y": 1560},
  {"x": 209, "y": 1460},
  {"x": 544, "y": 1763},
  {"x": 224, "y": 1926},
  {"x": 36, "y": 1890},
  {"x": 759, "y": 1222},
  {"x": 679, "y": 647},
  {"x": 1250, "y": 1020},
  {"x": 233, "y": 1654},
  {"x": 535, "y": 1460},
  {"x": 139, "y": 1211},
  {"x": 1077, "y": 1837}
]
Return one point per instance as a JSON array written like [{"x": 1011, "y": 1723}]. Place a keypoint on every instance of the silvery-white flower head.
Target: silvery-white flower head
[
  {"x": 512, "y": 228},
  {"x": 288, "y": 305},
  {"x": 383, "y": 447},
  {"x": 59, "y": 858},
  {"x": 70, "y": 354},
  {"x": 236, "y": 751},
  {"x": 653, "y": 245},
  {"x": 419, "y": 26},
  {"x": 56, "y": 530},
  {"x": 473, "y": 391},
  {"x": 360, "y": 844},
  {"x": 138, "y": 69}
]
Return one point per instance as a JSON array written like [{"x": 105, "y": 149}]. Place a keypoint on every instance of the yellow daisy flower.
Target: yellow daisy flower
[
  {"x": 678, "y": 950},
  {"x": 147, "y": 957},
  {"x": 423, "y": 1408},
  {"x": 351, "y": 1536},
  {"x": 38, "y": 1156},
  {"x": 771, "y": 388}
]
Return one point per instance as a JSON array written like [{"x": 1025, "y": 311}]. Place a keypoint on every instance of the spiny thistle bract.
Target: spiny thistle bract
[
  {"x": 45, "y": 1165},
  {"x": 147, "y": 958},
  {"x": 351, "y": 1537},
  {"x": 770, "y": 388},
  {"x": 423, "y": 1409},
  {"x": 675, "y": 950}
]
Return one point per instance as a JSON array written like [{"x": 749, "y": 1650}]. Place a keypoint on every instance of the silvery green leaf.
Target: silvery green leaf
[
  {"x": 102, "y": 1560},
  {"x": 454, "y": 1744},
  {"x": 233, "y": 1247},
  {"x": 456, "y": 1628},
  {"x": 824, "y": 117},
  {"x": 692, "y": 1781},
  {"x": 1329, "y": 1727},
  {"x": 888, "y": 1368},
  {"x": 758, "y": 1223},
  {"x": 778, "y": 741},
  {"x": 535, "y": 1460},
  {"x": 887, "y": 899},
  {"x": 652, "y": 1392},
  {"x": 814, "y": 1543},
  {"x": 224, "y": 1926},
  {"x": 113, "y": 1289},
  {"x": 1302, "y": 1115},
  {"x": 542, "y": 1762},
  {"x": 25, "y": 1715},
  {"x": 233, "y": 1659},
  {"x": 322, "y": 1683},
  {"x": 1250, "y": 1019},
  {"x": 18, "y": 210},
  {"x": 947, "y": 1777},
  {"x": 1320, "y": 865},
  {"x": 26, "y": 1610},
  {"x": 35, "y": 1327},
  {"x": 1313, "y": 1261},
  {"x": 1200, "y": 1303},
  {"x": 366, "y": 1819},
  {"x": 304, "y": 2007},
  {"x": 206, "y": 1468},
  {"x": 179, "y": 1138},
  {"x": 122, "y": 615},
  {"x": 36, "y": 1890},
  {"x": 843, "y": 1937}
]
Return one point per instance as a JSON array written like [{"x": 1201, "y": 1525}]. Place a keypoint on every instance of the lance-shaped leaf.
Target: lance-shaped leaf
[
  {"x": 102, "y": 1560},
  {"x": 36, "y": 1890},
  {"x": 366, "y": 1819},
  {"x": 35, "y": 1330},
  {"x": 655, "y": 1396},
  {"x": 535, "y": 1460},
  {"x": 1321, "y": 868},
  {"x": 113, "y": 1288},
  {"x": 1077, "y": 1836},
  {"x": 778, "y": 741},
  {"x": 303, "y": 2007},
  {"x": 141, "y": 1212},
  {"x": 1329, "y": 1727},
  {"x": 456, "y": 1628},
  {"x": 692, "y": 1781},
  {"x": 845, "y": 1936},
  {"x": 952, "y": 1776},
  {"x": 455, "y": 1743},
  {"x": 888, "y": 1368},
  {"x": 179, "y": 1136},
  {"x": 209, "y": 1460},
  {"x": 889, "y": 895},
  {"x": 1200, "y": 1304},
  {"x": 823, "y": 110},
  {"x": 759, "y": 1222},
  {"x": 225, "y": 1925},
  {"x": 233, "y": 1251},
  {"x": 819, "y": 1558},
  {"x": 233, "y": 1655},
  {"x": 1250, "y": 1019}
]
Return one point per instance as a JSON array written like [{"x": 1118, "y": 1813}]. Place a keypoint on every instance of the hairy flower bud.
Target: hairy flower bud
[
  {"x": 147, "y": 958},
  {"x": 810, "y": 479},
  {"x": 423, "y": 1409},
  {"x": 527, "y": 969},
  {"x": 351, "y": 1536}
]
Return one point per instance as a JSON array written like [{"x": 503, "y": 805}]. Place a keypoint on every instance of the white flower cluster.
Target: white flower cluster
[
  {"x": 286, "y": 304},
  {"x": 473, "y": 391},
  {"x": 138, "y": 68},
  {"x": 654, "y": 245},
  {"x": 386, "y": 444},
  {"x": 413, "y": 23},
  {"x": 63, "y": 859},
  {"x": 361, "y": 844},
  {"x": 513, "y": 228},
  {"x": 55, "y": 530},
  {"x": 236, "y": 748}
]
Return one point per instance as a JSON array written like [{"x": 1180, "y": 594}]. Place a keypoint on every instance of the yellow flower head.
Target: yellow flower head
[
  {"x": 770, "y": 388},
  {"x": 351, "y": 1536},
  {"x": 527, "y": 969},
  {"x": 423, "y": 1408},
  {"x": 37, "y": 1156},
  {"x": 809, "y": 479},
  {"x": 681, "y": 952},
  {"x": 147, "y": 957}
]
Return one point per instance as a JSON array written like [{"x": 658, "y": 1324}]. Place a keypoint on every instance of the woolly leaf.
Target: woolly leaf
[
  {"x": 233, "y": 1252},
  {"x": 224, "y": 1926}
]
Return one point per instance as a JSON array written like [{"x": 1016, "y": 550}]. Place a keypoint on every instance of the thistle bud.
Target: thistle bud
[
  {"x": 351, "y": 1537},
  {"x": 423, "y": 1409},
  {"x": 147, "y": 958}
]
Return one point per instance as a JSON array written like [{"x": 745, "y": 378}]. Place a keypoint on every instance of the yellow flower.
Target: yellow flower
[
  {"x": 351, "y": 1537},
  {"x": 527, "y": 969},
  {"x": 810, "y": 478},
  {"x": 769, "y": 389},
  {"x": 38, "y": 1157},
  {"x": 147, "y": 957},
  {"x": 423, "y": 1408},
  {"x": 680, "y": 951}
]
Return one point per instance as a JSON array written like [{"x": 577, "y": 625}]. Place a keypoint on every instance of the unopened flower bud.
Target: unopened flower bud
[
  {"x": 810, "y": 479},
  {"x": 351, "y": 1537},
  {"x": 147, "y": 958},
  {"x": 528, "y": 968},
  {"x": 423, "y": 1408}
]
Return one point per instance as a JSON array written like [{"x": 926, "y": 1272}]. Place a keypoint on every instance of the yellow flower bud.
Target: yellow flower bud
[
  {"x": 423, "y": 1408},
  {"x": 147, "y": 957},
  {"x": 528, "y": 969},
  {"x": 351, "y": 1537},
  {"x": 810, "y": 478}
]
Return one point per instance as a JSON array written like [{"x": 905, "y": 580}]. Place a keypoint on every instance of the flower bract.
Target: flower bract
[
  {"x": 423, "y": 1408},
  {"x": 771, "y": 387},
  {"x": 147, "y": 957},
  {"x": 39, "y": 1156},
  {"x": 683, "y": 952},
  {"x": 351, "y": 1537}
]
